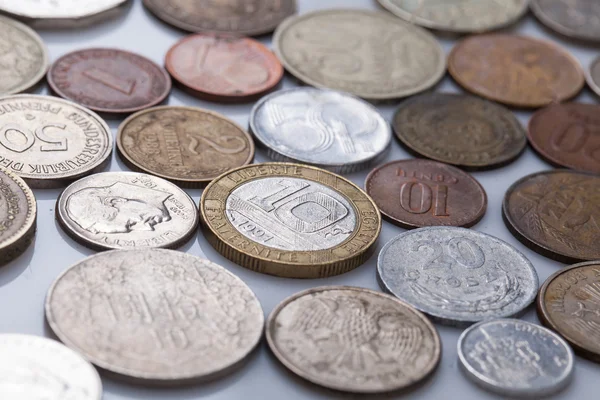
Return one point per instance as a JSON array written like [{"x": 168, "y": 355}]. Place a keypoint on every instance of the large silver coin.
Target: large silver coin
[
  {"x": 577, "y": 19},
  {"x": 155, "y": 316},
  {"x": 36, "y": 368},
  {"x": 353, "y": 339},
  {"x": 515, "y": 358},
  {"x": 126, "y": 210},
  {"x": 457, "y": 276},
  {"x": 325, "y": 128}
]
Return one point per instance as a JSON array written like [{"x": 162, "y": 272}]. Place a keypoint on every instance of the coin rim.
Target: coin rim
[
  {"x": 78, "y": 16},
  {"x": 591, "y": 82},
  {"x": 539, "y": 12}
]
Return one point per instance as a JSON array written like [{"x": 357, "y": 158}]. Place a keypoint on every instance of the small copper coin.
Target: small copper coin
[
  {"x": 578, "y": 19},
  {"x": 109, "y": 80},
  {"x": 567, "y": 135},
  {"x": 515, "y": 70},
  {"x": 223, "y": 69}
]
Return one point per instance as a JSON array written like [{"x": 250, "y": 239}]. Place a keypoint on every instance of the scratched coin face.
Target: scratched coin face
[
  {"x": 186, "y": 145},
  {"x": 155, "y": 316},
  {"x": 370, "y": 54},
  {"x": 353, "y": 339},
  {"x": 126, "y": 210},
  {"x": 578, "y": 19}
]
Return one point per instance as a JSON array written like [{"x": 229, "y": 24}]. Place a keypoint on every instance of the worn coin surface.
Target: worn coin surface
[
  {"x": 370, "y": 54},
  {"x": 290, "y": 220},
  {"x": 48, "y": 141},
  {"x": 126, "y": 210},
  {"x": 240, "y": 17},
  {"x": 457, "y": 276},
  {"x": 416, "y": 193},
  {"x": 579, "y": 19},
  {"x": 593, "y": 76},
  {"x": 353, "y": 339},
  {"x": 155, "y": 316},
  {"x": 567, "y": 135},
  {"x": 109, "y": 80},
  {"x": 516, "y": 70},
  {"x": 36, "y": 368},
  {"x": 515, "y": 358},
  {"x": 188, "y": 146},
  {"x": 556, "y": 213},
  {"x": 324, "y": 128}
]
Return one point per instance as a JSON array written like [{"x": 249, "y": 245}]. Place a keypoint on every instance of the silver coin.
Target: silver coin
[
  {"x": 353, "y": 339},
  {"x": 155, "y": 316},
  {"x": 127, "y": 210},
  {"x": 36, "y": 368},
  {"x": 324, "y": 128},
  {"x": 515, "y": 358},
  {"x": 457, "y": 276}
]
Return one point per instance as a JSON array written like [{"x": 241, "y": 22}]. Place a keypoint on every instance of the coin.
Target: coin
[
  {"x": 188, "y": 146},
  {"x": 155, "y": 316},
  {"x": 324, "y": 128},
  {"x": 515, "y": 358},
  {"x": 241, "y": 17},
  {"x": 370, "y": 54},
  {"x": 567, "y": 135},
  {"x": 578, "y": 19},
  {"x": 459, "y": 130},
  {"x": 593, "y": 76},
  {"x": 49, "y": 141},
  {"x": 516, "y": 70},
  {"x": 34, "y": 367},
  {"x": 109, "y": 80},
  {"x": 126, "y": 210},
  {"x": 290, "y": 220},
  {"x": 555, "y": 213},
  {"x": 353, "y": 339}
]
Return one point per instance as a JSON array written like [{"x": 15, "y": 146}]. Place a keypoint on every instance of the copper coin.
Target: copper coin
[
  {"x": 578, "y": 19},
  {"x": 417, "y": 193},
  {"x": 223, "y": 69},
  {"x": 567, "y": 135},
  {"x": 109, "y": 80},
  {"x": 556, "y": 213},
  {"x": 515, "y": 70}
]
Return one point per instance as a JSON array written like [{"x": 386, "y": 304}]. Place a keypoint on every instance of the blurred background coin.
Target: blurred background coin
[
  {"x": 593, "y": 76},
  {"x": 577, "y": 19}
]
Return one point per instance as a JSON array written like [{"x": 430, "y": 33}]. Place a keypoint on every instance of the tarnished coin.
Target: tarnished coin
[
  {"x": 567, "y": 135},
  {"x": 516, "y": 70},
  {"x": 186, "y": 145},
  {"x": 49, "y": 141},
  {"x": 370, "y": 54},
  {"x": 515, "y": 358},
  {"x": 109, "y": 80},
  {"x": 593, "y": 76},
  {"x": 324, "y": 128},
  {"x": 556, "y": 213},
  {"x": 290, "y": 220},
  {"x": 155, "y": 316},
  {"x": 416, "y": 193},
  {"x": 36, "y": 368},
  {"x": 579, "y": 19},
  {"x": 241, "y": 17},
  {"x": 126, "y": 210},
  {"x": 457, "y": 276},
  {"x": 459, "y": 130},
  {"x": 353, "y": 339}
]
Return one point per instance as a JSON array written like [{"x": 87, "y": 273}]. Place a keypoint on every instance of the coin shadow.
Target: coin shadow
[
  {"x": 12, "y": 270},
  {"x": 85, "y": 251}
]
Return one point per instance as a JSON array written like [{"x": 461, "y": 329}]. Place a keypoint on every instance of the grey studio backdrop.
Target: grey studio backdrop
[{"x": 24, "y": 282}]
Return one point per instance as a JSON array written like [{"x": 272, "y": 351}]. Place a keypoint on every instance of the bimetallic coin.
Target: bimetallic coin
[
  {"x": 188, "y": 146},
  {"x": 457, "y": 276},
  {"x": 290, "y": 220},
  {"x": 353, "y": 339},
  {"x": 155, "y": 316},
  {"x": 126, "y": 210},
  {"x": 49, "y": 142},
  {"x": 578, "y": 19},
  {"x": 369, "y": 54},
  {"x": 593, "y": 76},
  {"x": 555, "y": 213},
  {"x": 324, "y": 128},
  {"x": 515, "y": 358},
  {"x": 36, "y": 368}
]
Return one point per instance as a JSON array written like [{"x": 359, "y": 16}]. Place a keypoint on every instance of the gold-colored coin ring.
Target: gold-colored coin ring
[{"x": 344, "y": 257}]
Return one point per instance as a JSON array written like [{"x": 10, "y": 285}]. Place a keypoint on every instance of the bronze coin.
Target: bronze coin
[
  {"x": 109, "y": 80},
  {"x": 567, "y": 135},
  {"x": 417, "y": 193},
  {"x": 556, "y": 213},
  {"x": 578, "y": 19},
  {"x": 223, "y": 68},
  {"x": 515, "y": 70}
]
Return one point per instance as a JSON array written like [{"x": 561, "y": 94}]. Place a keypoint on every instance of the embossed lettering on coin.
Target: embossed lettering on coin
[{"x": 579, "y": 19}]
